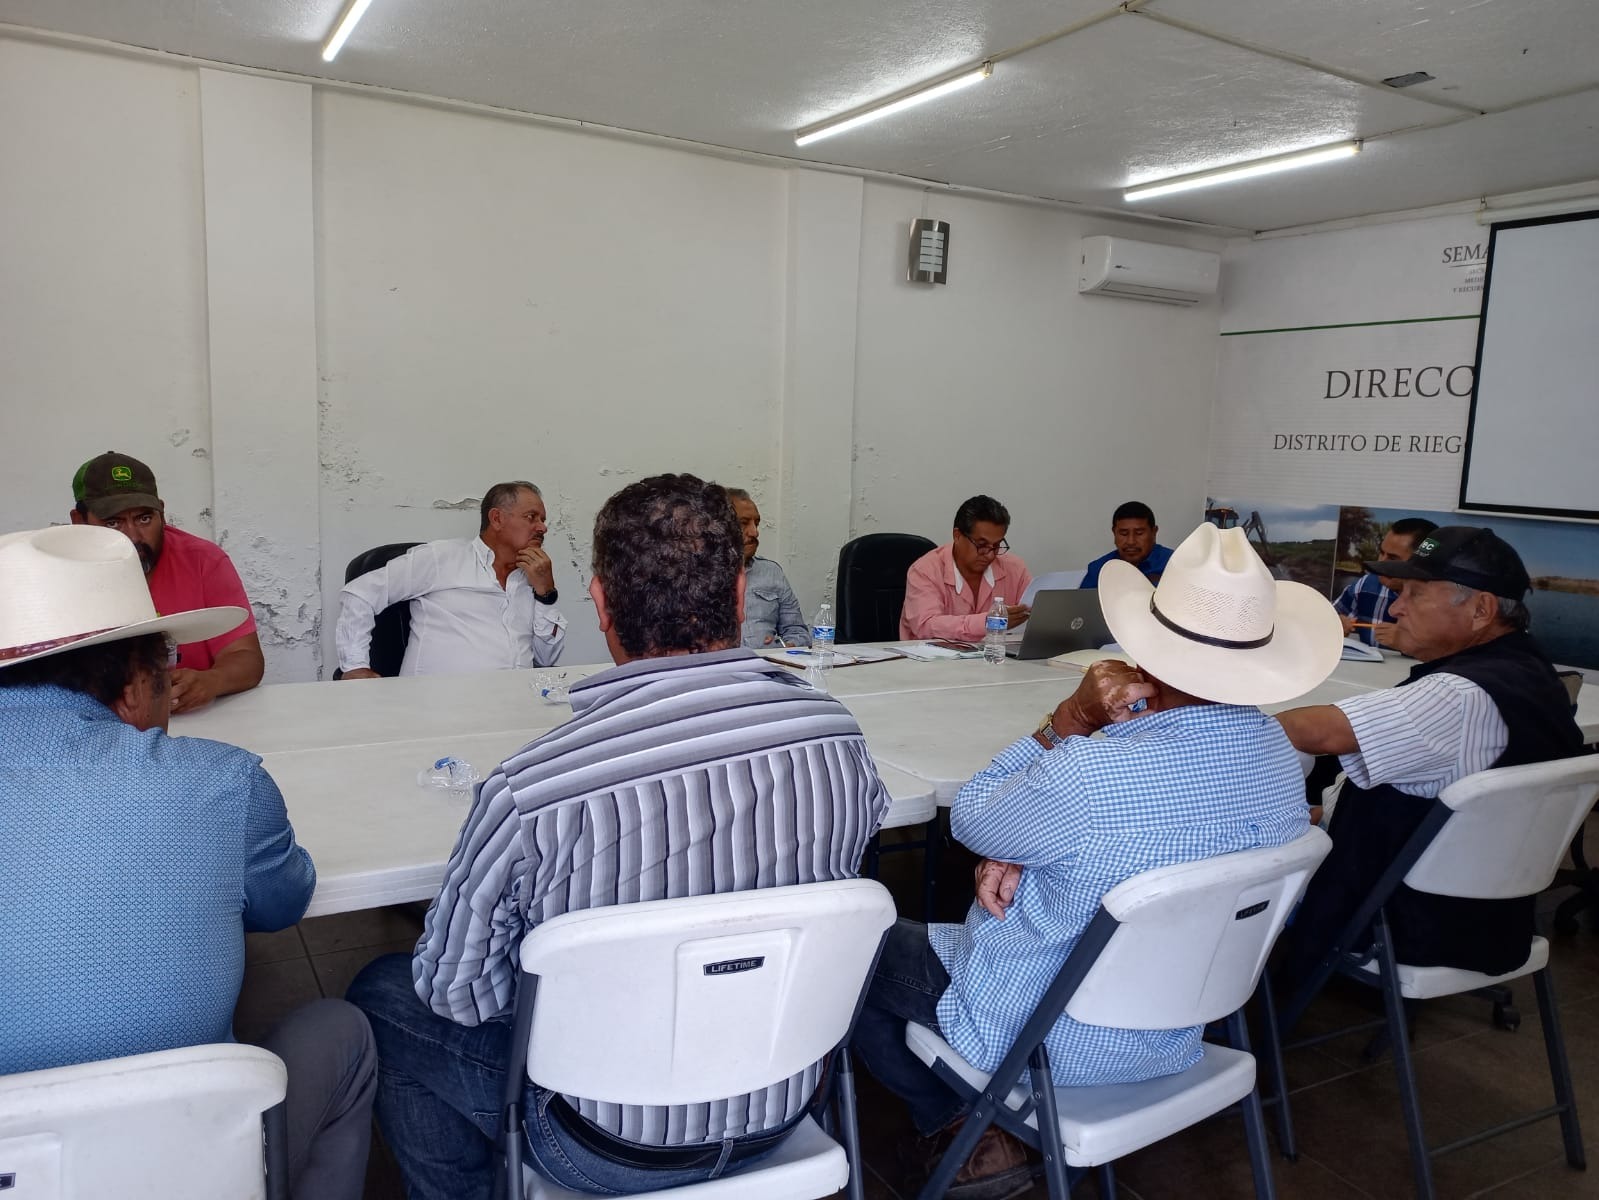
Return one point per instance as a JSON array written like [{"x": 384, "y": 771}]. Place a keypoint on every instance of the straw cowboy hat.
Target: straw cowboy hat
[
  {"x": 1218, "y": 626},
  {"x": 81, "y": 585}
]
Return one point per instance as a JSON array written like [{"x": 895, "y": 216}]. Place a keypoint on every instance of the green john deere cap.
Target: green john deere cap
[{"x": 114, "y": 482}]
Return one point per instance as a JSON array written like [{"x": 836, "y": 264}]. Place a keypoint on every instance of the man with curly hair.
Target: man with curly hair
[{"x": 692, "y": 767}]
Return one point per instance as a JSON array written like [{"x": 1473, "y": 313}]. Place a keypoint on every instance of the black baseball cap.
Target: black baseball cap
[
  {"x": 114, "y": 482},
  {"x": 1463, "y": 554}
]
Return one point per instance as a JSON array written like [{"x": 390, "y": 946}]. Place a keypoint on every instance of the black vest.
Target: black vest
[{"x": 1371, "y": 825}]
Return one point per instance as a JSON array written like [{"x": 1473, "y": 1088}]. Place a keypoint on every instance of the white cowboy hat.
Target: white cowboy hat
[
  {"x": 81, "y": 585},
  {"x": 1218, "y": 626}
]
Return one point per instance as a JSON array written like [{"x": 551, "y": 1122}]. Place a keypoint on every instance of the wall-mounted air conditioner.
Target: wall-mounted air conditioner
[{"x": 1118, "y": 266}]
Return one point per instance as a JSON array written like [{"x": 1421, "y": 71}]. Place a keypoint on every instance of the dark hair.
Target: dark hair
[
  {"x": 1133, "y": 510},
  {"x": 1414, "y": 528},
  {"x": 102, "y": 671},
  {"x": 502, "y": 495},
  {"x": 668, "y": 551},
  {"x": 981, "y": 508}
]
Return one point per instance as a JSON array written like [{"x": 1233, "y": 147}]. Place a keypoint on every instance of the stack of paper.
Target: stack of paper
[
  {"x": 926, "y": 652},
  {"x": 803, "y": 659},
  {"x": 1357, "y": 650}
]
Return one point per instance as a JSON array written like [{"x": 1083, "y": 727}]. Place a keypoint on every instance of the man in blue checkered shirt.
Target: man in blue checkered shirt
[
  {"x": 1188, "y": 768},
  {"x": 1363, "y": 605}
]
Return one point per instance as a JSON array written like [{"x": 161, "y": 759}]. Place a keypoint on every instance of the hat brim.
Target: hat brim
[
  {"x": 1306, "y": 644},
  {"x": 195, "y": 625},
  {"x": 110, "y": 506},
  {"x": 1401, "y": 568}
]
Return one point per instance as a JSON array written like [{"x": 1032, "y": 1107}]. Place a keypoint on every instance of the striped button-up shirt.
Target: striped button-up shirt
[
  {"x": 1166, "y": 788},
  {"x": 1424, "y": 736},
  {"x": 679, "y": 776}
]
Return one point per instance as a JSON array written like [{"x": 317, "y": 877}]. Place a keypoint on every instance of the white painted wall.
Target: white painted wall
[
  {"x": 102, "y": 279},
  {"x": 494, "y": 299},
  {"x": 502, "y": 301},
  {"x": 1006, "y": 381},
  {"x": 261, "y": 305}
]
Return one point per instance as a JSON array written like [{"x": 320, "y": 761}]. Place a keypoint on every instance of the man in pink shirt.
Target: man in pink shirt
[
  {"x": 948, "y": 591},
  {"x": 184, "y": 572}
]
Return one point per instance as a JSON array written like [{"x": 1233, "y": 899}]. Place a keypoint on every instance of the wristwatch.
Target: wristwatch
[
  {"x": 1047, "y": 728},
  {"x": 549, "y": 597}
]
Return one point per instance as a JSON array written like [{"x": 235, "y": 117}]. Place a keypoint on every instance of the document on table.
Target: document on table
[
  {"x": 804, "y": 659},
  {"x": 1358, "y": 651},
  {"x": 927, "y": 651}
]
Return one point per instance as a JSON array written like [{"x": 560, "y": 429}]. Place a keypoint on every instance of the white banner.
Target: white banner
[
  {"x": 1346, "y": 365},
  {"x": 1370, "y": 414}
]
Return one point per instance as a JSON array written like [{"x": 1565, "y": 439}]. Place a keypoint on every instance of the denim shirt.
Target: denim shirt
[
  {"x": 135, "y": 862},
  {"x": 771, "y": 610}
]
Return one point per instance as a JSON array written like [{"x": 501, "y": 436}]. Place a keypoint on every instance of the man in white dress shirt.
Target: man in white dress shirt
[{"x": 477, "y": 604}]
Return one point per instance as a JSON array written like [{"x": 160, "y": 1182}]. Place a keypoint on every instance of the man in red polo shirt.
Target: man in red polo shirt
[{"x": 184, "y": 572}]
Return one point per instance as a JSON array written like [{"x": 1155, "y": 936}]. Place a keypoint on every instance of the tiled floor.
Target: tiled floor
[{"x": 1346, "y": 1110}]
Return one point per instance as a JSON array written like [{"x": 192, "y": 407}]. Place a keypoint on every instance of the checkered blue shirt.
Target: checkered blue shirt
[
  {"x": 1367, "y": 601},
  {"x": 1167, "y": 788}
]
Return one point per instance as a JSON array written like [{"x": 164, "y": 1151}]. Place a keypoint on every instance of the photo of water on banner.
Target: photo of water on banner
[{"x": 1323, "y": 546}]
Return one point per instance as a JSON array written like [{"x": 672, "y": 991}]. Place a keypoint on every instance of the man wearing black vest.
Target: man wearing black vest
[{"x": 1483, "y": 694}]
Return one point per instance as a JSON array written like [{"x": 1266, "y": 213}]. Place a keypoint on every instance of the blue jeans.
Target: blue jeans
[
  {"x": 439, "y": 1090},
  {"x": 906, "y": 987}
]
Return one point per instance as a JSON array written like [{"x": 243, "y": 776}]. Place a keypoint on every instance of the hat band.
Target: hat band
[
  {"x": 1205, "y": 639},
  {"x": 7, "y": 653}
]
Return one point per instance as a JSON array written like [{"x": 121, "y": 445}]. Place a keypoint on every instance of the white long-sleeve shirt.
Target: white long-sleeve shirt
[{"x": 462, "y": 620}]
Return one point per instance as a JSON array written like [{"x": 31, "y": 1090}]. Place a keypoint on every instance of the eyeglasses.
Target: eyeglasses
[{"x": 985, "y": 548}]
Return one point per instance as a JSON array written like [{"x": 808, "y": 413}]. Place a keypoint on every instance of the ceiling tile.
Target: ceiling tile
[
  {"x": 1118, "y": 104},
  {"x": 1486, "y": 53},
  {"x": 1077, "y": 119},
  {"x": 1480, "y": 156}
]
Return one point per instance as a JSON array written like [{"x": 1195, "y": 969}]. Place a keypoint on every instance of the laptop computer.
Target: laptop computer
[{"x": 1063, "y": 620}]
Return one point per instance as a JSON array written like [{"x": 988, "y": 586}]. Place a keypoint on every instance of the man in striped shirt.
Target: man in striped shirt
[
  {"x": 1482, "y": 695},
  {"x": 693, "y": 767}
]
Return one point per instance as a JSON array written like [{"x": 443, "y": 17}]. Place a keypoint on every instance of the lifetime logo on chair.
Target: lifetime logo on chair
[{"x": 734, "y": 966}]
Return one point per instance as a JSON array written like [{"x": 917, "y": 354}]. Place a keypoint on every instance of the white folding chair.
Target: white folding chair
[
  {"x": 175, "y": 1125},
  {"x": 692, "y": 1000},
  {"x": 1170, "y": 948},
  {"x": 1495, "y": 835}
]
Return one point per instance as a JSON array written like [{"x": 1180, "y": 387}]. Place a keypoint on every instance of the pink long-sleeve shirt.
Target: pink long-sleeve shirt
[{"x": 940, "y": 604}]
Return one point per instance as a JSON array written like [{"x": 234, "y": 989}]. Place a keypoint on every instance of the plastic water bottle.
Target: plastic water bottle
[
  {"x": 449, "y": 775},
  {"x": 994, "y": 632},
  {"x": 821, "y": 647}
]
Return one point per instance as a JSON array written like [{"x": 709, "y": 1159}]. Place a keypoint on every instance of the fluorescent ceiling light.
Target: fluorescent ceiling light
[
  {"x": 1248, "y": 170},
  {"x": 888, "y": 108},
  {"x": 347, "y": 23}
]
